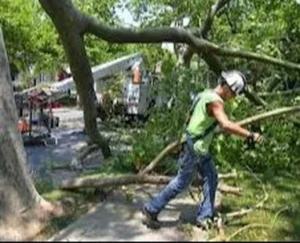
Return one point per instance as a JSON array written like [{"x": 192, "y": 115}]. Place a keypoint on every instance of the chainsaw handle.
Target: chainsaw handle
[{"x": 250, "y": 141}]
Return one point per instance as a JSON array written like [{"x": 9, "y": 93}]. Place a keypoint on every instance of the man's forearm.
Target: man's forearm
[{"x": 235, "y": 129}]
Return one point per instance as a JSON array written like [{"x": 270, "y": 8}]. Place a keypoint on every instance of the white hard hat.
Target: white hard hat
[{"x": 235, "y": 80}]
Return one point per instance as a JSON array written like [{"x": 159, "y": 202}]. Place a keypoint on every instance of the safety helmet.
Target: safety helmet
[{"x": 235, "y": 80}]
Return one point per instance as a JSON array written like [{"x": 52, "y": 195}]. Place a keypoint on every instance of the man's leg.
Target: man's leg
[
  {"x": 209, "y": 178},
  {"x": 187, "y": 166}
]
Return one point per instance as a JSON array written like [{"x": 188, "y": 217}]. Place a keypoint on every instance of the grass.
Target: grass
[{"x": 281, "y": 213}]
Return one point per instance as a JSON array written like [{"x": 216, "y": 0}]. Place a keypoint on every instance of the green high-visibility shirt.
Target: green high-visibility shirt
[{"x": 200, "y": 120}]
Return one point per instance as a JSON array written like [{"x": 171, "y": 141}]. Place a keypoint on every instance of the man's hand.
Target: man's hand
[{"x": 258, "y": 138}]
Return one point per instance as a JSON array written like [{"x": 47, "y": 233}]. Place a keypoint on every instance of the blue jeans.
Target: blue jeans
[{"x": 189, "y": 162}]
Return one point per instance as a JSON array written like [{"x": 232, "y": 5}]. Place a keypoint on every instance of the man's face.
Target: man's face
[{"x": 228, "y": 94}]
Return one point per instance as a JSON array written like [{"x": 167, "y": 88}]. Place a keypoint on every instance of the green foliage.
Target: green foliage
[
  {"x": 280, "y": 212},
  {"x": 278, "y": 152},
  {"x": 266, "y": 27},
  {"x": 32, "y": 40},
  {"x": 29, "y": 36}
]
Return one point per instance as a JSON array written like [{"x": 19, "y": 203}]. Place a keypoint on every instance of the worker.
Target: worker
[
  {"x": 23, "y": 126},
  {"x": 136, "y": 73},
  {"x": 206, "y": 113}
]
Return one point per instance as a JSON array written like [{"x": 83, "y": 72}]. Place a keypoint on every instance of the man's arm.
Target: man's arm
[{"x": 216, "y": 109}]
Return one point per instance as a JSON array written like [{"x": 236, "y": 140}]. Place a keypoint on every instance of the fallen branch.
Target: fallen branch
[
  {"x": 97, "y": 181},
  {"x": 227, "y": 176},
  {"x": 229, "y": 238},
  {"x": 230, "y": 189},
  {"x": 244, "y": 211},
  {"x": 159, "y": 157},
  {"x": 256, "y": 225},
  {"x": 244, "y": 122},
  {"x": 100, "y": 181},
  {"x": 258, "y": 205},
  {"x": 278, "y": 213}
]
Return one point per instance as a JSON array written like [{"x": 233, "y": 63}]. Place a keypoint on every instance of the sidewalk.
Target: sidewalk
[{"x": 119, "y": 219}]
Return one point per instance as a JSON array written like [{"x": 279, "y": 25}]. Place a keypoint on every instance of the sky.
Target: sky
[
  {"x": 125, "y": 15},
  {"x": 127, "y": 20}
]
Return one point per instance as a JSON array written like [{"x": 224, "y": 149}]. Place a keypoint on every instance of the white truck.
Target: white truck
[{"x": 135, "y": 95}]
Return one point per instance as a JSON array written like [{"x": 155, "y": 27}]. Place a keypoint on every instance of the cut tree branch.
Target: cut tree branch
[
  {"x": 113, "y": 181},
  {"x": 244, "y": 122}
]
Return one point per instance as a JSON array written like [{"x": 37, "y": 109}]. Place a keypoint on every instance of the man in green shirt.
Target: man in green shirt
[{"x": 207, "y": 113}]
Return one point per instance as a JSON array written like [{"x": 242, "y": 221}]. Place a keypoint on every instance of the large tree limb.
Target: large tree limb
[
  {"x": 244, "y": 122},
  {"x": 148, "y": 35},
  {"x": 169, "y": 34},
  {"x": 217, "y": 50},
  {"x": 112, "y": 181}
]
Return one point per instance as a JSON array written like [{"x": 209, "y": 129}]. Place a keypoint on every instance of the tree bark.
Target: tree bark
[
  {"x": 69, "y": 25},
  {"x": 21, "y": 207}
]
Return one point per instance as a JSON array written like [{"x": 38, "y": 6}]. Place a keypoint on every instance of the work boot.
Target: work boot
[
  {"x": 150, "y": 219},
  {"x": 205, "y": 224}
]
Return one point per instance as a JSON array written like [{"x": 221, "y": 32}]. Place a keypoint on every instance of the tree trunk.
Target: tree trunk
[
  {"x": 81, "y": 70},
  {"x": 68, "y": 24},
  {"x": 20, "y": 204}
]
